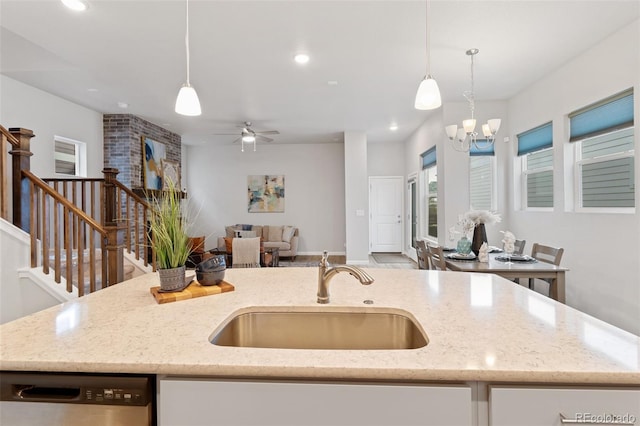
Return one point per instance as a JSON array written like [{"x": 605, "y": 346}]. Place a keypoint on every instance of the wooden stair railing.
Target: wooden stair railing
[
  {"x": 73, "y": 218},
  {"x": 62, "y": 227},
  {"x": 8, "y": 140},
  {"x": 135, "y": 213},
  {"x": 108, "y": 200}
]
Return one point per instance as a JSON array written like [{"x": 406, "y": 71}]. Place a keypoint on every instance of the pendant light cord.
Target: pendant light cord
[
  {"x": 186, "y": 42},
  {"x": 428, "y": 40}
]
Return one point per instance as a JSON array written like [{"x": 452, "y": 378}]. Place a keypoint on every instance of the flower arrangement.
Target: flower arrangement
[{"x": 476, "y": 217}]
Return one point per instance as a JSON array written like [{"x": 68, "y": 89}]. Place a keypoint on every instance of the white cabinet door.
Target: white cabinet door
[
  {"x": 513, "y": 406},
  {"x": 186, "y": 401}
]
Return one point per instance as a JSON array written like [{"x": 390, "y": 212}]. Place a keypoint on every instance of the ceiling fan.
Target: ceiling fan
[{"x": 248, "y": 135}]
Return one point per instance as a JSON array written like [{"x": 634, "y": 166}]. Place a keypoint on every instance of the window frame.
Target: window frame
[
  {"x": 526, "y": 172},
  {"x": 492, "y": 180},
  {"x": 428, "y": 164},
  {"x": 577, "y": 174},
  {"x": 80, "y": 156}
]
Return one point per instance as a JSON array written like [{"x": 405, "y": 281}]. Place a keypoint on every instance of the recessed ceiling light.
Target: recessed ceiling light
[
  {"x": 301, "y": 58},
  {"x": 332, "y": 83},
  {"x": 77, "y": 5},
  {"x": 393, "y": 127},
  {"x": 123, "y": 105},
  {"x": 92, "y": 90}
]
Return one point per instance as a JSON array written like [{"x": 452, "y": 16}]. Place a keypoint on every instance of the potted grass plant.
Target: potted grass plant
[{"x": 169, "y": 239}]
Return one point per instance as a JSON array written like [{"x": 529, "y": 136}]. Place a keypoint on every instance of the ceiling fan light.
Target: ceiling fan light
[
  {"x": 187, "y": 102},
  {"x": 248, "y": 138},
  {"x": 428, "y": 95}
]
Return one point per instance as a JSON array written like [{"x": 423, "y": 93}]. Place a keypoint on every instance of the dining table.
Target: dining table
[{"x": 530, "y": 268}]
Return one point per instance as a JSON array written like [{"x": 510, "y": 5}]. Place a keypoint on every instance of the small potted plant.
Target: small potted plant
[{"x": 169, "y": 239}]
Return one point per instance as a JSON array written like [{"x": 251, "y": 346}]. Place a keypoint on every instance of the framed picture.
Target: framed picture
[
  {"x": 170, "y": 173},
  {"x": 153, "y": 153},
  {"x": 266, "y": 193}
]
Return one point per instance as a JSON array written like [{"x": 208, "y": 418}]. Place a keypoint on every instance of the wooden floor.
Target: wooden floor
[{"x": 311, "y": 261}]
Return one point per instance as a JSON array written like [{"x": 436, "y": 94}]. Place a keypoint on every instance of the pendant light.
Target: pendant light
[
  {"x": 428, "y": 95},
  {"x": 187, "y": 102}
]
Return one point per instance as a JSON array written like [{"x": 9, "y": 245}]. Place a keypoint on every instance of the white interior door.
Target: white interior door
[{"x": 385, "y": 205}]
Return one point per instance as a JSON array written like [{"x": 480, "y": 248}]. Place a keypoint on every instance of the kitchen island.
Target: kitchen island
[{"x": 481, "y": 329}]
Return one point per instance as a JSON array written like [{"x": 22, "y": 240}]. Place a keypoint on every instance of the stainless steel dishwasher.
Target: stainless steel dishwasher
[{"x": 75, "y": 399}]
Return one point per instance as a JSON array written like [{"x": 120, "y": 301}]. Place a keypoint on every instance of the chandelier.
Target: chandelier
[{"x": 465, "y": 137}]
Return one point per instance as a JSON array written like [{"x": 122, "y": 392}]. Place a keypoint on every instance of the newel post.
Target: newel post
[
  {"x": 113, "y": 226},
  {"x": 21, "y": 160}
]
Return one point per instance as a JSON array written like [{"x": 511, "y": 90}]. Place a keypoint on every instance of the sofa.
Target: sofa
[{"x": 284, "y": 237}]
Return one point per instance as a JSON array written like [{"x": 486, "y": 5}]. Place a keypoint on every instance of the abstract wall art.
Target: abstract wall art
[
  {"x": 153, "y": 154},
  {"x": 266, "y": 193}
]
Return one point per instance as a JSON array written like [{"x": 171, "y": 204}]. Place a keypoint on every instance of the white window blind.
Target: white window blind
[
  {"x": 66, "y": 158},
  {"x": 605, "y": 170},
  {"x": 481, "y": 182},
  {"x": 538, "y": 178}
]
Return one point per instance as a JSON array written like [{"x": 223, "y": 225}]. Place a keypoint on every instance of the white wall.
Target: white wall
[
  {"x": 47, "y": 116},
  {"x": 314, "y": 190},
  {"x": 356, "y": 185},
  {"x": 18, "y": 296},
  {"x": 601, "y": 250},
  {"x": 385, "y": 159}
]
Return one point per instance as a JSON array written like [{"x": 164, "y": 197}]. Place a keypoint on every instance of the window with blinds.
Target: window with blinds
[
  {"x": 481, "y": 178},
  {"x": 69, "y": 157},
  {"x": 430, "y": 193},
  {"x": 603, "y": 134},
  {"x": 535, "y": 149}
]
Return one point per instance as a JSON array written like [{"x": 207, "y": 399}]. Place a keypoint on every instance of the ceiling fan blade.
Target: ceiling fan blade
[
  {"x": 225, "y": 134},
  {"x": 269, "y": 132},
  {"x": 263, "y": 138},
  {"x": 237, "y": 140}
]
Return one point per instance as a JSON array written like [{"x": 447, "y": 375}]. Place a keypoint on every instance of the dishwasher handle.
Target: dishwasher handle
[{"x": 45, "y": 393}]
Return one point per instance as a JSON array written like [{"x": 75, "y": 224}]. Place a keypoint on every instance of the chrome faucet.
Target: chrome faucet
[{"x": 325, "y": 273}]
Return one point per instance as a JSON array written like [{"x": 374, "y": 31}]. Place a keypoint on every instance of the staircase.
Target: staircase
[{"x": 100, "y": 224}]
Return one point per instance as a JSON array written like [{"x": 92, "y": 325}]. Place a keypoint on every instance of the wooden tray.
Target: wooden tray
[{"x": 194, "y": 290}]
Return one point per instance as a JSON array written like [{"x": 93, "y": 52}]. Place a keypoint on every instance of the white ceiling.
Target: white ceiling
[{"x": 242, "y": 58}]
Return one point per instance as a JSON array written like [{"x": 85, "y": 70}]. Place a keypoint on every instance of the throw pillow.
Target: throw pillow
[
  {"x": 228, "y": 244},
  {"x": 230, "y": 231},
  {"x": 287, "y": 233},
  {"x": 275, "y": 234}
]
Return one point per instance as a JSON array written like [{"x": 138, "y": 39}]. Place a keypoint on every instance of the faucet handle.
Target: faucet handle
[{"x": 324, "y": 259}]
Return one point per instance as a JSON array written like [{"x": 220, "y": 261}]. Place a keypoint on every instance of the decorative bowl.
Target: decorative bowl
[{"x": 211, "y": 271}]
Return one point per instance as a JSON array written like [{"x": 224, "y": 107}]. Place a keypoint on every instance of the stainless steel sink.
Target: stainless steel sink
[{"x": 262, "y": 328}]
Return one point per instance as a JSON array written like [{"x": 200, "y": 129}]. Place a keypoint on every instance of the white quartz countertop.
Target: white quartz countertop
[{"x": 480, "y": 327}]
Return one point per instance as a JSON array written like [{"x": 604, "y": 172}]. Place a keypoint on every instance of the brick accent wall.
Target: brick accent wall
[{"x": 123, "y": 145}]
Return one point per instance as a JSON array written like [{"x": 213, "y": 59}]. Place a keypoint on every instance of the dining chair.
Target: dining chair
[
  {"x": 436, "y": 257},
  {"x": 519, "y": 246},
  {"x": 246, "y": 252},
  {"x": 422, "y": 254},
  {"x": 546, "y": 254}
]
